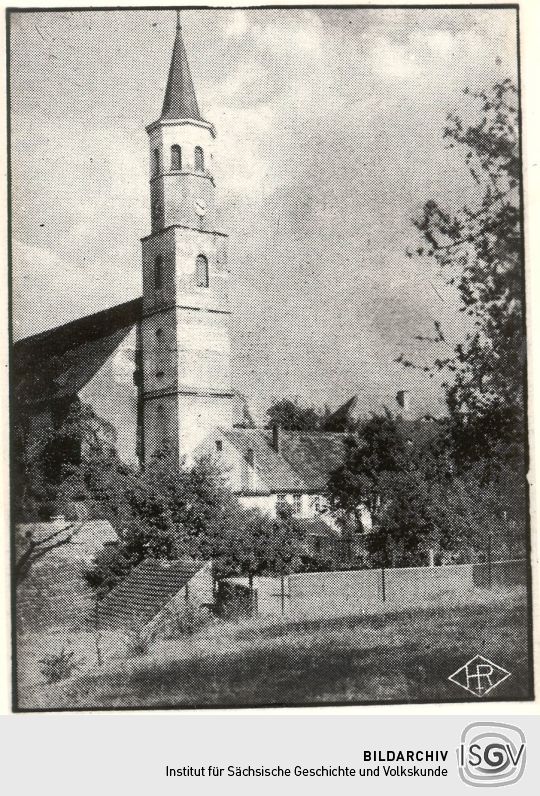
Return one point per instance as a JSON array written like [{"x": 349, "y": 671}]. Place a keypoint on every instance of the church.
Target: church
[{"x": 157, "y": 369}]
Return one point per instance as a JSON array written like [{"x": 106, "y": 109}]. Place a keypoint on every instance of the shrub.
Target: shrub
[
  {"x": 184, "y": 622},
  {"x": 58, "y": 666},
  {"x": 138, "y": 640}
]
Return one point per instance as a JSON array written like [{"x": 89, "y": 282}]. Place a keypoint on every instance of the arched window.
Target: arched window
[
  {"x": 201, "y": 271},
  {"x": 156, "y": 161},
  {"x": 176, "y": 158},
  {"x": 199, "y": 159},
  {"x": 158, "y": 272}
]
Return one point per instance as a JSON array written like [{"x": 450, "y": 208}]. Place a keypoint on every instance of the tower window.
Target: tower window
[
  {"x": 156, "y": 161},
  {"x": 250, "y": 457},
  {"x": 176, "y": 158},
  {"x": 158, "y": 272},
  {"x": 201, "y": 271},
  {"x": 199, "y": 159}
]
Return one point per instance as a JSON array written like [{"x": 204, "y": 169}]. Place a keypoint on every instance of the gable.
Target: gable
[{"x": 58, "y": 363}]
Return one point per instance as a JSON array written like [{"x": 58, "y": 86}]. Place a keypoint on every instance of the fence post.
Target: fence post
[
  {"x": 282, "y": 575},
  {"x": 489, "y": 560},
  {"x": 383, "y": 583}
]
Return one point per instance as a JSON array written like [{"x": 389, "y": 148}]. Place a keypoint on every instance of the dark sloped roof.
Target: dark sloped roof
[
  {"x": 341, "y": 415},
  {"x": 180, "y": 99},
  {"x": 318, "y": 527},
  {"x": 272, "y": 468},
  {"x": 312, "y": 455},
  {"x": 146, "y": 591},
  {"x": 60, "y": 361},
  {"x": 303, "y": 463}
]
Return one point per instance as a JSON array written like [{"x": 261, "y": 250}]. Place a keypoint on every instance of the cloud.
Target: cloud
[
  {"x": 238, "y": 24},
  {"x": 329, "y": 137}
]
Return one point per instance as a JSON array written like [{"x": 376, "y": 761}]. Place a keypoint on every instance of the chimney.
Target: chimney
[
  {"x": 403, "y": 398},
  {"x": 275, "y": 438}
]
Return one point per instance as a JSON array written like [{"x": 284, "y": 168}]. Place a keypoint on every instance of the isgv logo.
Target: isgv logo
[{"x": 491, "y": 755}]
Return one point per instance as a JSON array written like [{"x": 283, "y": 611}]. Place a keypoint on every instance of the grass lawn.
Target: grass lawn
[{"x": 402, "y": 656}]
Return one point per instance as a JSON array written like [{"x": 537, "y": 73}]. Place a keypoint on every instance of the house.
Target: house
[{"x": 271, "y": 468}]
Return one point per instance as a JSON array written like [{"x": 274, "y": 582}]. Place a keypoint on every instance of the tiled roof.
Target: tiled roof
[
  {"x": 60, "y": 361},
  {"x": 146, "y": 591},
  {"x": 276, "y": 473},
  {"x": 303, "y": 463},
  {"x": 312, "y": 454},
  {"x": 307, "y": 458}
]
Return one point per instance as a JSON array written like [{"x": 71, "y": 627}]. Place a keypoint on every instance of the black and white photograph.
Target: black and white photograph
[{"x": 269, "y": 438}]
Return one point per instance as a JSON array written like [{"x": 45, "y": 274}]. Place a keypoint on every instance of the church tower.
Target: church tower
[{"x": 185, "y": 342}]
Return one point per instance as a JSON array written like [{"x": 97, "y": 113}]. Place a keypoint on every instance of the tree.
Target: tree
[
  {"x": 30, "y": 550},
  {"x": 173, "y": 512},
  {"x": 395, "y": 474},
  {"x": 479, "y": 247},
  {"x": 378, "y": 451},
  {"x": 292, "y": 416},
  {"x": 47, "y": 454}
]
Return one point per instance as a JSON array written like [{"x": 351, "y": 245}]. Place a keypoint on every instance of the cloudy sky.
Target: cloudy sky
[{"x": 329, "y": 141}]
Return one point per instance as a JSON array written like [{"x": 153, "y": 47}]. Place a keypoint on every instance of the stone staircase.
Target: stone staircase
[{"x": 146, "y": 591}]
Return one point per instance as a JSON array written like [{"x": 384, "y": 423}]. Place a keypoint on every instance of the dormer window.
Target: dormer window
[
  {"x": 219, "y": 446},
  {"x": 199, "y": 159}
]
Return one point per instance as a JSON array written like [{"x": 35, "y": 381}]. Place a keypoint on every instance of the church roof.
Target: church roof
[
  {"x": 61, "y": 361},
  {"x": 180, "y": 99}
]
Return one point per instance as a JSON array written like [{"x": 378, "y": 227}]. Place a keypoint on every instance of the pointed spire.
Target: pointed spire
[{"x": 180, "y": 101}]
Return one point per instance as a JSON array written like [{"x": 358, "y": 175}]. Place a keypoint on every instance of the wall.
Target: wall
[
  {"x": 323, "y": 594},
  {"x": 113, "y": 396},
  {"x": 198, "y": 592}
]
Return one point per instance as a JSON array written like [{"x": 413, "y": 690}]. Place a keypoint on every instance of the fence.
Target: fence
[{"x": 359, "y": 591}]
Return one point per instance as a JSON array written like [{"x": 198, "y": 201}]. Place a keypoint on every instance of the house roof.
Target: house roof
[
  {"x": 303, "y": 463},
  {"x": 274, "y": 470},
  {"x": 311, "y": 454},
  {"x": 318, "y": 527},
  {"x": 59, "y": 362},
  {"x": 146, "y": 591},
  {"x": 307, "y": 458}
]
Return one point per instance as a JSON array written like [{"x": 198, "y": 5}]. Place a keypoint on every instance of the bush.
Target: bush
[
  {"x": 184, "y": 622},
  {"x": 138, "y": 640},
  {"x": 58, "y": 666}
]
